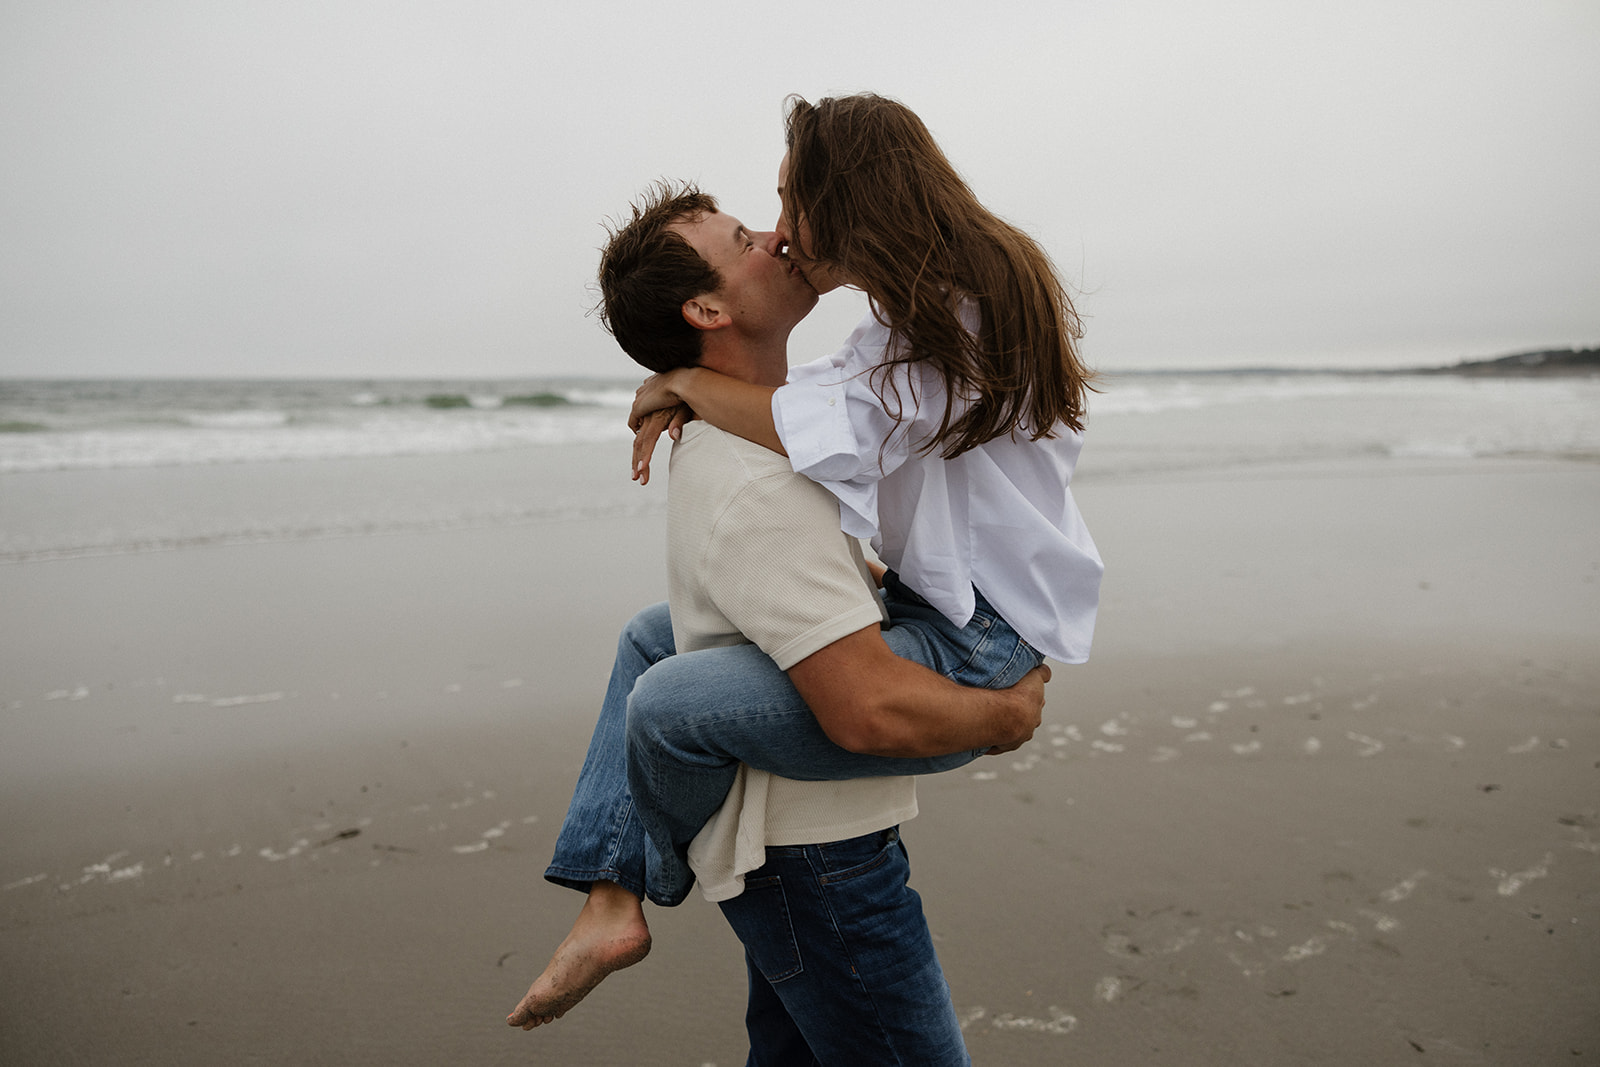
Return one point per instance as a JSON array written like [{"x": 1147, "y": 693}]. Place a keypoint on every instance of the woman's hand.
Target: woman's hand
[
  {"x": 742, "y": 408},
  {"x": 656, "y": 407},
  {"x": 658, "y": 391},
  {"x": 649, "y": 432}
]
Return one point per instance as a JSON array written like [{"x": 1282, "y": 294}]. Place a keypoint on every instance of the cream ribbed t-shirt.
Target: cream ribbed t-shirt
[{"x": 755, "y": 554}]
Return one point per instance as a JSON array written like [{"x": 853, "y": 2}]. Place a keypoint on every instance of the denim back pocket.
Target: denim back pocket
[{"x": 760, "y": 918}]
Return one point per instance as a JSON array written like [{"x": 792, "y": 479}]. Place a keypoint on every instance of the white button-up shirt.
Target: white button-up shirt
[{"x": 1000, "y": 516}]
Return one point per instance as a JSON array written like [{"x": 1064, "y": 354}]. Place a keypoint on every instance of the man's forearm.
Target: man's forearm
[
  {"x": 869, "y": 700},
  {"x": 935, "y": 717}
]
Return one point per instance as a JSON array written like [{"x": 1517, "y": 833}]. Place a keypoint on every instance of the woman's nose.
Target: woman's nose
[{"x": 771, "y": 243}]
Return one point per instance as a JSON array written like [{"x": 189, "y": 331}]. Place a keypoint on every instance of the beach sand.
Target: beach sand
[{"x": 1325, "y": 794}]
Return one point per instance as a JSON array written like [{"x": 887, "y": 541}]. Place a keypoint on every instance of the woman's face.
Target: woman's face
[{"x": 796, "y": 238}]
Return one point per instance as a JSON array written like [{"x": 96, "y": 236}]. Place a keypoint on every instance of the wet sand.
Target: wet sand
[{"x": 1326, "y": 793}]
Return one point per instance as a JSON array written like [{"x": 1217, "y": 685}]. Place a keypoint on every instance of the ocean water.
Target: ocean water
[
  {"x": 97, "y": 467},
  {"x": 101, "y": 425},
  {"x": 1180, "y": 422}
]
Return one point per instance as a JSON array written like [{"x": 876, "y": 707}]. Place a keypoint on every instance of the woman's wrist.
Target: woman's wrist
[{"x": 682, "y": 382}]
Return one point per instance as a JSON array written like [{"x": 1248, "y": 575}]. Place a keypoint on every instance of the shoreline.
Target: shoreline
[{"x": 1170, "y": 872}]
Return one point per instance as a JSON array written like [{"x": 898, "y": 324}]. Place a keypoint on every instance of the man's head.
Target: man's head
[
  {"x": 647, "y": 273},
  {"x": 680, "y": 272}
]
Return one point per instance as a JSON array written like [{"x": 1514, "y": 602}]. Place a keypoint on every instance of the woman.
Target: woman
[
  {"x": 963, "y": 376},
  {"x": 947, "y": 427}
]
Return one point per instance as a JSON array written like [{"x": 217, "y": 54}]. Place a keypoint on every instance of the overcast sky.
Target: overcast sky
[{"x": 316, "y": 187}]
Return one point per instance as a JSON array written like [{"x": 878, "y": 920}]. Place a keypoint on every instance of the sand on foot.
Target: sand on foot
[{"x": 609, "y": 934}]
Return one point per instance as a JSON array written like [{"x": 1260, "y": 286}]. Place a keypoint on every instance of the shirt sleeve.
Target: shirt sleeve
[
  {"x": 786, "y": 576},
  {"x": 848, "y": 420}
]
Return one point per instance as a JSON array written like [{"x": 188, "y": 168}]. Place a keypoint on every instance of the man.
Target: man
[{"x": 811, "y": 875}]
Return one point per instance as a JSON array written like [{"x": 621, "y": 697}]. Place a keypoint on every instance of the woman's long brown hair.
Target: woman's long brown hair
[{"x": 886, "y": 208}]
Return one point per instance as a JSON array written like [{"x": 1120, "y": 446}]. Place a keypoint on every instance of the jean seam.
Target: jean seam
[
  {"x": 562, "y": 875},
  {"x": 844, "y": 943},
  {"x": 1016, "y": 654},
  {"x": 976, "y": 652},
  {"x": 626, "y": 812},
  {"x": 685, "y": 880}
]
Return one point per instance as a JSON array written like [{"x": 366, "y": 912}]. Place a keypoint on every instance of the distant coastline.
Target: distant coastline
[
  {"x": 1549, "y": 362},
  {"x": 1543, "y": 363}
]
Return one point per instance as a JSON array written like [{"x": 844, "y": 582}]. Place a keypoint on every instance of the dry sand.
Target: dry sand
[{"x": 1326, "y": 794}]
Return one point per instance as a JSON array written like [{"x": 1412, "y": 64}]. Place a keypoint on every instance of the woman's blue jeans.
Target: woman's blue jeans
[
  {"x": 842, "y": 967},
  {"x": 674, "y": 728}
]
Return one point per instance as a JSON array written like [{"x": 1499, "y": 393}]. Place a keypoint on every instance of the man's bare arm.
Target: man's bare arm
[{"x": 869, "y": 700}]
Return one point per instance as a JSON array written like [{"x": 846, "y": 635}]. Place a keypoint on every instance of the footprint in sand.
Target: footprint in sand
[
  {"x": 1370, "y": 746},
  {"x": 1513, "y": 883},
  {"x": 1404, "y": 888},
  {"x": 1059, "y": 1022}
]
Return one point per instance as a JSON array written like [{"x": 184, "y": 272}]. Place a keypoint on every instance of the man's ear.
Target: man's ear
[{"x": 705, "y": 313}]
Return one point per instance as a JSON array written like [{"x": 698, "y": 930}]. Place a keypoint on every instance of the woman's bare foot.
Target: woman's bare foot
[{"x": 610, "y": 934}]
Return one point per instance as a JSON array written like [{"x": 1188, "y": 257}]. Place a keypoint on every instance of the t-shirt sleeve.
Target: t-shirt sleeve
[{"x": 783, "y": 573}]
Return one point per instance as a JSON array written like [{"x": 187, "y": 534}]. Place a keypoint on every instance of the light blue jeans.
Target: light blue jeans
[
  {"x": 841, "y": 965},
  {"x": 674, "y": 728}
]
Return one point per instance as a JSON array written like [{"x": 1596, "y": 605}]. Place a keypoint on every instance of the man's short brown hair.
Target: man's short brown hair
[{"x": 648, "y": 271}]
